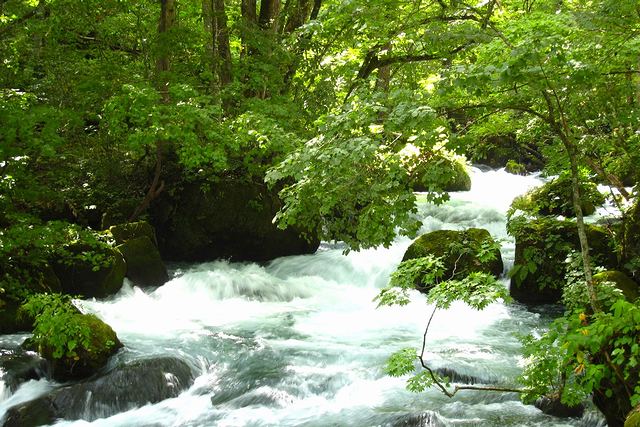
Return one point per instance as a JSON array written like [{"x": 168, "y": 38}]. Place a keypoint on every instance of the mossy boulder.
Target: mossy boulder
[
  {"x": 515, "y": 168},
  {"x": 459, "y": 251},
  {"x": 90, "y": 270},
  {"x": 131, "y": 230},
  {"x": 497, "y": 150},
  {"x": 450, "y": 172},
  {"x": 144, "y": 265},
  {"x": 556, "y": 198},
  {"x": 542, "y": 246},
  {"x": 230, "y": 219},
  {"x": 629, "y": 288},
  {"x": 633, "y": 419},
  {"x": 138, "y": 245},
  {"x": 631, "y": 255},
  {"x": 87, "y": 358}
]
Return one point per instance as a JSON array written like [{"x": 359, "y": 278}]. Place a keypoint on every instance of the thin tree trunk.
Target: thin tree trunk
[
  {"x": 572, "y": 152},
  {"x": 222, "y": 38},
  {"x": 166, "y": 22},
  {"x": 218, "y": 48}
]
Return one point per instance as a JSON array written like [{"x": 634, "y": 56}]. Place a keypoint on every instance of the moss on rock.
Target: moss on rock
[
  {"x": 230, "y": 219},
  {"x": 90, "y": 271},
  {"x": 450, "y": 173},
  {"x": 144, "y": 265},
  {"x": 459, "y": 251},
  {"x": 556, "y": 198},
  {"x": 87, "y": 357},
  {"x": 131, "y": 230},
  {"x": 542, "y": 246},
  {"x": 629, "y": 288}
]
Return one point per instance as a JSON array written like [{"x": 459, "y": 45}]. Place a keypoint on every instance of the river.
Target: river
[{"x": 300, "y": 342}]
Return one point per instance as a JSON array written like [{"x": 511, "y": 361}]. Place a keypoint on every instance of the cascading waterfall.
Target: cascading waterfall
[{"x": 300, "y": 342}]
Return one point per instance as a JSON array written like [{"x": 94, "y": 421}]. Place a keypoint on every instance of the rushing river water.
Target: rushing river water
[{"x": 300, "y": 342}]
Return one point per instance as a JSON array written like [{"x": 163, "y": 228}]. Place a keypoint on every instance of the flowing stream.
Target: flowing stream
[{"x": 300, "y": 342}]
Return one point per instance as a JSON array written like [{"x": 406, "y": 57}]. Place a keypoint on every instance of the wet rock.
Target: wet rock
[
  {"x": 554, "y": 407},
  {"x": 229, "y": 219},
  {"x": 90, "y": 271},
  {"x": 139, "y": 247},
  {"x": 19, "y": 366},
  {"x": 125, "y": 387},
  {"x": 425, "y": 419},
  {"x": 459, "y": 251},
  {"x": 542, "y": 246}
]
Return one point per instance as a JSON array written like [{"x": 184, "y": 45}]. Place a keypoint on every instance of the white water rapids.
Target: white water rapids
[{"x": 300, "y": 342}]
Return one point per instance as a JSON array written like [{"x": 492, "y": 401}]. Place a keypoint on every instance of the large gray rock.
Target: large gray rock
[
  {"x": 230, "y": 219},
  {"x": 125, "y": 387}
]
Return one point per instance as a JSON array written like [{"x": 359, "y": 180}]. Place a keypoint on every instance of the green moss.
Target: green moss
[
  {"x": 556, "y": 198},
  {"x": 91, "y": 271},
  {"x": 542, "y": 246},
  {"x": 76, "y": 345},
  {"x": 460, "y": 179},
  {"x": 515, "y": 168},
  {"x": 633, "y": 419},
  {"x": 629, "y": 288},
  {"x": 442, "y": 172},
  {"x": 144, "y": 265},
  {"x": 123, "y": 232},
  {"x": 463, "y": 252}
]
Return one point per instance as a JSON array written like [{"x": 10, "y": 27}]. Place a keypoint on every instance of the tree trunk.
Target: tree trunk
[
  {"x": 224, "y": 48},
  {"x": 297, "y": 14},
  {"x": 269, "y": 12},
  {"x": 572, "y": 152},
  {"x": 163, "y": 64}
]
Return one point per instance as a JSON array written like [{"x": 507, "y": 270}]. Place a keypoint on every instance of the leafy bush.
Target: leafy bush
[
  {"x": 56, "y": 325},
  {"x": 28, "y": 248},
  {"x": 581, "y": 354},
  {"x": 76, "y": 344}
]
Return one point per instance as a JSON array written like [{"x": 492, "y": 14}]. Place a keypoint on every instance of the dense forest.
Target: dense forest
[{"x": 138, "y": 132}]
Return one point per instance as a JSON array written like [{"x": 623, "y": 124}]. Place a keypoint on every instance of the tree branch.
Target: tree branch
[{"x": 11, "y": 25}]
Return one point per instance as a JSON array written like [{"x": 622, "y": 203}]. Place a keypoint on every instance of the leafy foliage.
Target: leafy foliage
[
  {"x": 56, "y": 325},
  {"x": 582, "y": 353},
  {"x": 26, "y": 250}
]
